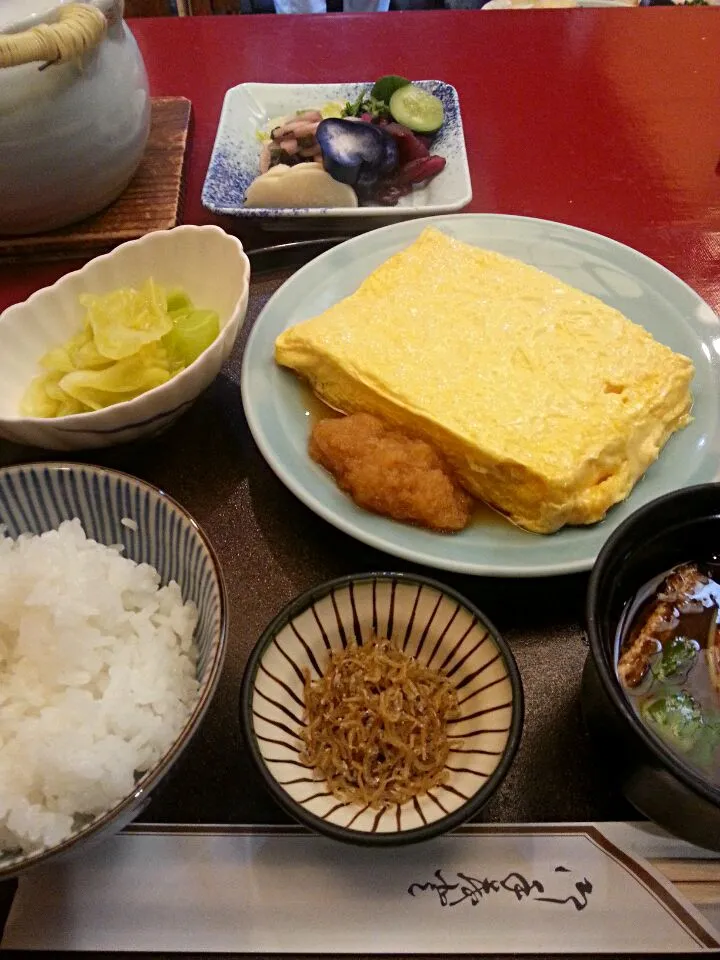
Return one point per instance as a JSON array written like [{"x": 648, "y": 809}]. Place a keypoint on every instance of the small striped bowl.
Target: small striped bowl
[
  {"x": 38, "y": 497},
  {"x": 428, "y": 621}
]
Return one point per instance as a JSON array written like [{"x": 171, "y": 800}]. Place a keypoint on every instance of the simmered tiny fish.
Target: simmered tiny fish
[{"x": 376, "y": 724}]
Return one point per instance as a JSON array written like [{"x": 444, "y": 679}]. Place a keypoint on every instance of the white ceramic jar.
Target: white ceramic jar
[{"x": 71, "y": 134}]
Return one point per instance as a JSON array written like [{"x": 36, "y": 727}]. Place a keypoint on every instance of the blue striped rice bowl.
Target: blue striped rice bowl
[
  {"x": 426, "y": 620},
  {"x": 157, "y": 530}
]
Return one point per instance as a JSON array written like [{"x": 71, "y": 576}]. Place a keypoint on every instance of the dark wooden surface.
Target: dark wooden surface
[
  {"x": 152, "y": 201},
  {"x": 271, "y": 548},
  {"x": 619, "y": 136}
]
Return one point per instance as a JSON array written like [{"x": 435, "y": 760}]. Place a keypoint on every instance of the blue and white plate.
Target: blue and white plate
[
  {"x": 277, "y": 409},
  {"x": 249, "y": 108}
]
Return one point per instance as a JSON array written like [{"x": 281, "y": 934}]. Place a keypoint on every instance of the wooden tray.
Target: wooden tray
[{"x": 152, "y": 201}]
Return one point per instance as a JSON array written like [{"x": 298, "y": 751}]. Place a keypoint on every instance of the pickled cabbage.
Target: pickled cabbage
[
  {"x": 124, "y": 321},
  {"x": 131, "y": 341}
]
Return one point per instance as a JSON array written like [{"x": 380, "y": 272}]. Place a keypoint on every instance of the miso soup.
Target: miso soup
[{"x": 668, "y": 661}]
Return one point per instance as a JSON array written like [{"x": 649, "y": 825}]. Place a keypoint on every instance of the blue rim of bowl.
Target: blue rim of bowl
[
  {"x": 606, "y": 672},
  {"x": 149, "y": 780},
  {"x": 359, "y": 837}
]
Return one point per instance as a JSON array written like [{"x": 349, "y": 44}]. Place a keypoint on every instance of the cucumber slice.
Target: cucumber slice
[
  {"x": 416, "y": 109},
  {"x": 385, "y": 87}
]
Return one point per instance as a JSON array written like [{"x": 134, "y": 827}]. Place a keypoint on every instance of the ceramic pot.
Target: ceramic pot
[{"x": 72, "y": 133}]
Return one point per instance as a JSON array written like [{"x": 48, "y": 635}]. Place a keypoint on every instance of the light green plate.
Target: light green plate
[{"x": 276, "y": 408}]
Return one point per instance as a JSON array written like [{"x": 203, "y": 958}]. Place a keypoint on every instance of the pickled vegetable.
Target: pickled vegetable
[
  {"x": 193, "y": 331},
  {"x": 415, "y": 108},
  {"x": 131, "y": 341},
  {"x": 124, "y": 380},
  {"x": 126, "y": 320},
  {"x": 178, "y": 302}
]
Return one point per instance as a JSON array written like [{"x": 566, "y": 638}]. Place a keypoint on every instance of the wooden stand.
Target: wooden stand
[{"x": 152, "y": 201}]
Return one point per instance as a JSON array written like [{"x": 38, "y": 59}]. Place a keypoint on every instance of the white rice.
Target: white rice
[{"x": 97, "y": 678}]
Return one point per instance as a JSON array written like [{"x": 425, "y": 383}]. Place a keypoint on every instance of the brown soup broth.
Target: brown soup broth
[{"x": 678, "y": 697}]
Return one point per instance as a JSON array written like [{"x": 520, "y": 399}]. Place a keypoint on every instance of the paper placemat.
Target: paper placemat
[{"x": 545, "y": 888}]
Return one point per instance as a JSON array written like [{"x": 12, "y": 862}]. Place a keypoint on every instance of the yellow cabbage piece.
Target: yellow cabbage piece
[
  {"x": 131, "y": 341},
  {"x": 36, "y": 401},
  {"x": 178, "y": 302},
  {"x": 125, "y": 320},
  {"x": 58, "y": 360},
  {"x": 124, "y": 380}
]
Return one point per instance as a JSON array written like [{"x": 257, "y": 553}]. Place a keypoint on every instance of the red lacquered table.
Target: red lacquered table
[{"x": 606, "y": 119}]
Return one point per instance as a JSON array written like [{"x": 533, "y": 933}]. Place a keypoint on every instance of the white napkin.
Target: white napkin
[{"x": 275, "y": 890}]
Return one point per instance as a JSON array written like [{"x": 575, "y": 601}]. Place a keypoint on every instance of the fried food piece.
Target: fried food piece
[
  {"x": 635, "y": 660},
  {"x": 678, "y": 590},
  {"x": 683, "y": 584},
  {"x": 388, "y": 472}
]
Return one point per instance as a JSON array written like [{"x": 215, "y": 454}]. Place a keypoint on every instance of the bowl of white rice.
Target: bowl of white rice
[{"x": 113, "y": 626}]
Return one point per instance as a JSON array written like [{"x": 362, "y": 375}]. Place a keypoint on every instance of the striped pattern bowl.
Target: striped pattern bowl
[
  {"x": 428, "y": 621},
  {"x": 38, "y": 497},
  {"x": 206, "y": 262}
]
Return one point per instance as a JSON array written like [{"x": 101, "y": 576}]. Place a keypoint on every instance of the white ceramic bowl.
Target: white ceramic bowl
[{"x": 206, "y": 262}]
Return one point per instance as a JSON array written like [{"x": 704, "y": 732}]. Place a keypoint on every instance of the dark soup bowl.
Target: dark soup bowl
[{"x": 669, "y": 784}]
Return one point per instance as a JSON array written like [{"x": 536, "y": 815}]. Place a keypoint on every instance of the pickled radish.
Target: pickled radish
[{"x": 131, "y": 341}]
